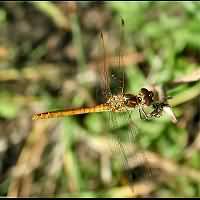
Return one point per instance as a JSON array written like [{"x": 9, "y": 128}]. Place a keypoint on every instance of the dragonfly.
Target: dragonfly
[
  {"x": 115, "y": 103},
  {"x": 121, "y": 102}
]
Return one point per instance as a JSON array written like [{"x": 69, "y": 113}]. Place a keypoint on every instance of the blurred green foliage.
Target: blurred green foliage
[{"x": 167, "y": 33}]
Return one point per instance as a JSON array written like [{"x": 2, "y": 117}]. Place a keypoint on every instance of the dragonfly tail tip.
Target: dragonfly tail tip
[{"x": 34, "y": 117}]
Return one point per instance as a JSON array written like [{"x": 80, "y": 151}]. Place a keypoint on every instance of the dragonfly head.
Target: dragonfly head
[
  {"x": 131, "y": 100},
  {"x": 145, "y": 97}
]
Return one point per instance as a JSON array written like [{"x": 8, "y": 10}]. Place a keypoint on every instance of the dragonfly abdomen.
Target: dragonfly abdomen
[{"x": 70, "y": 112}]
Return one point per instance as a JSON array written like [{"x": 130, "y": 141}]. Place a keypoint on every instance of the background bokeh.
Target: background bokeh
[{"x": 50, "y": 53}]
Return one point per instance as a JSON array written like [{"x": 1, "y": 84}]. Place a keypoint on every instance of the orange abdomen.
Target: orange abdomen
[{"x": 69, "y": 112}]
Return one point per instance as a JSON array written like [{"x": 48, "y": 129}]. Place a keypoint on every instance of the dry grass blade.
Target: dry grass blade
[
  {"x": 54, "y": 13},
  {"x": 168, "y": 166},
  {"x": 30, "y": 159},
  {"x": 47, "y": 72},
  {"x": 4, "y": 53},
  {"x": 186, "y": 95},
  {"x": 194, "y": 147},
  {"x": 194, "y": 76},
  {"x": 140, "y": 189}
]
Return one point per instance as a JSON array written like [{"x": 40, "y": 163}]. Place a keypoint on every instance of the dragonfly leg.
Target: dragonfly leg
[
  {"x": 158, "y": 108},
  {"x": 143, "y": 114},
  {"x": 153, "y": 115},
  {"x": 141, "y": 117}
]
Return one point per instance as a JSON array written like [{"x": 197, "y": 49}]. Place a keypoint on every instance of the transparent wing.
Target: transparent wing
[
  {"x": 118, "y": 73},
  {"x": 121, "y": 57},
  {"x": 117, "y": 121},
  {"x": 121, "y": 149},
  {"x": 103, "y": 70},
  {"x": 112, "y": 80},
  {"x": 141, "y": 156},
  {"x": 132, "y": 157}
]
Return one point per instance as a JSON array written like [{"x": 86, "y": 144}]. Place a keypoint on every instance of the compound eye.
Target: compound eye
[
  {"x": 140, "y": 99},
  {"x": 144, "y": 91},
  {"x": 151, "y": 94}
]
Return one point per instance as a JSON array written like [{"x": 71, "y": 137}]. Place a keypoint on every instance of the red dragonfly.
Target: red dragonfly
[{"x": 120, "y": 102}]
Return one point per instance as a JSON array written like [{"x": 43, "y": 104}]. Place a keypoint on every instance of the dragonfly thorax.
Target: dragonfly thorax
[
  {"x": 117, "y": 103},
  {"x": 124, "y": 102}
]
